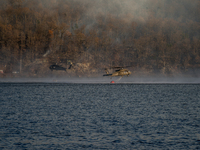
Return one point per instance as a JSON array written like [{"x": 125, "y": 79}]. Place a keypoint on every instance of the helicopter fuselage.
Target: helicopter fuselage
[
  {"x": 120, "y": 72},
  {"x": 56, "y": 67}
]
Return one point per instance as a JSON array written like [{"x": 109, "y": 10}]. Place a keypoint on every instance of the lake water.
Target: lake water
[{"x": 99, "y": 116}]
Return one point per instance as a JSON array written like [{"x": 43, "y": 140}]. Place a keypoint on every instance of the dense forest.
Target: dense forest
[{"x": 152, "y": 36}]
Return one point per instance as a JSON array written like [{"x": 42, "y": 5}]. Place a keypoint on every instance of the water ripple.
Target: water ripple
[{"x": 99, "y": 116}]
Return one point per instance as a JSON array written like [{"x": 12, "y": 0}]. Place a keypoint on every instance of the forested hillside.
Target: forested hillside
[{"x": 154, "y": 36}]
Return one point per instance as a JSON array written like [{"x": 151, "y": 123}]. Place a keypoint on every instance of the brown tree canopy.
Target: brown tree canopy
[{"x": 154, "y": 35}]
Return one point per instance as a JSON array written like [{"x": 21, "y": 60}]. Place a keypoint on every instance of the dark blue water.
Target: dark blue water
[{"x": 99, "y": 116}]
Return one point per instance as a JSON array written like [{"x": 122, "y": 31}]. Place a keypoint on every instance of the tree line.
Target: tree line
[{"x": 162, "y": 36}]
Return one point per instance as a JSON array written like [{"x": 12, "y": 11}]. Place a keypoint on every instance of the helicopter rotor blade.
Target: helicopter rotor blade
[{"x": 121, "y": 67}]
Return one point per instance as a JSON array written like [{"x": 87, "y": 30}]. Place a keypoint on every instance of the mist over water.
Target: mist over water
[{"x": 131, "y": 79}]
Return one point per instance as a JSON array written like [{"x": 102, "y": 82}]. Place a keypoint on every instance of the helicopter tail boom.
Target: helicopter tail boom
[{"x": 107, "y": 75}]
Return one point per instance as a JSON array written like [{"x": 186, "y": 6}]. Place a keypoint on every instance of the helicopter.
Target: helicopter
[
  {"x": 119, "y": 72},
  {"x": 57, "y": 67}
]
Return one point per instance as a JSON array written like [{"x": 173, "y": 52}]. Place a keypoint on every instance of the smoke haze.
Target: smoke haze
[{"x": 153, "y": 36}]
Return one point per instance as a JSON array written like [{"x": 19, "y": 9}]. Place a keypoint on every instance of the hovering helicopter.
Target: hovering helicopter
[
  {"x": 57, "y": 67},
  {"x": 119, "y": 72}
]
